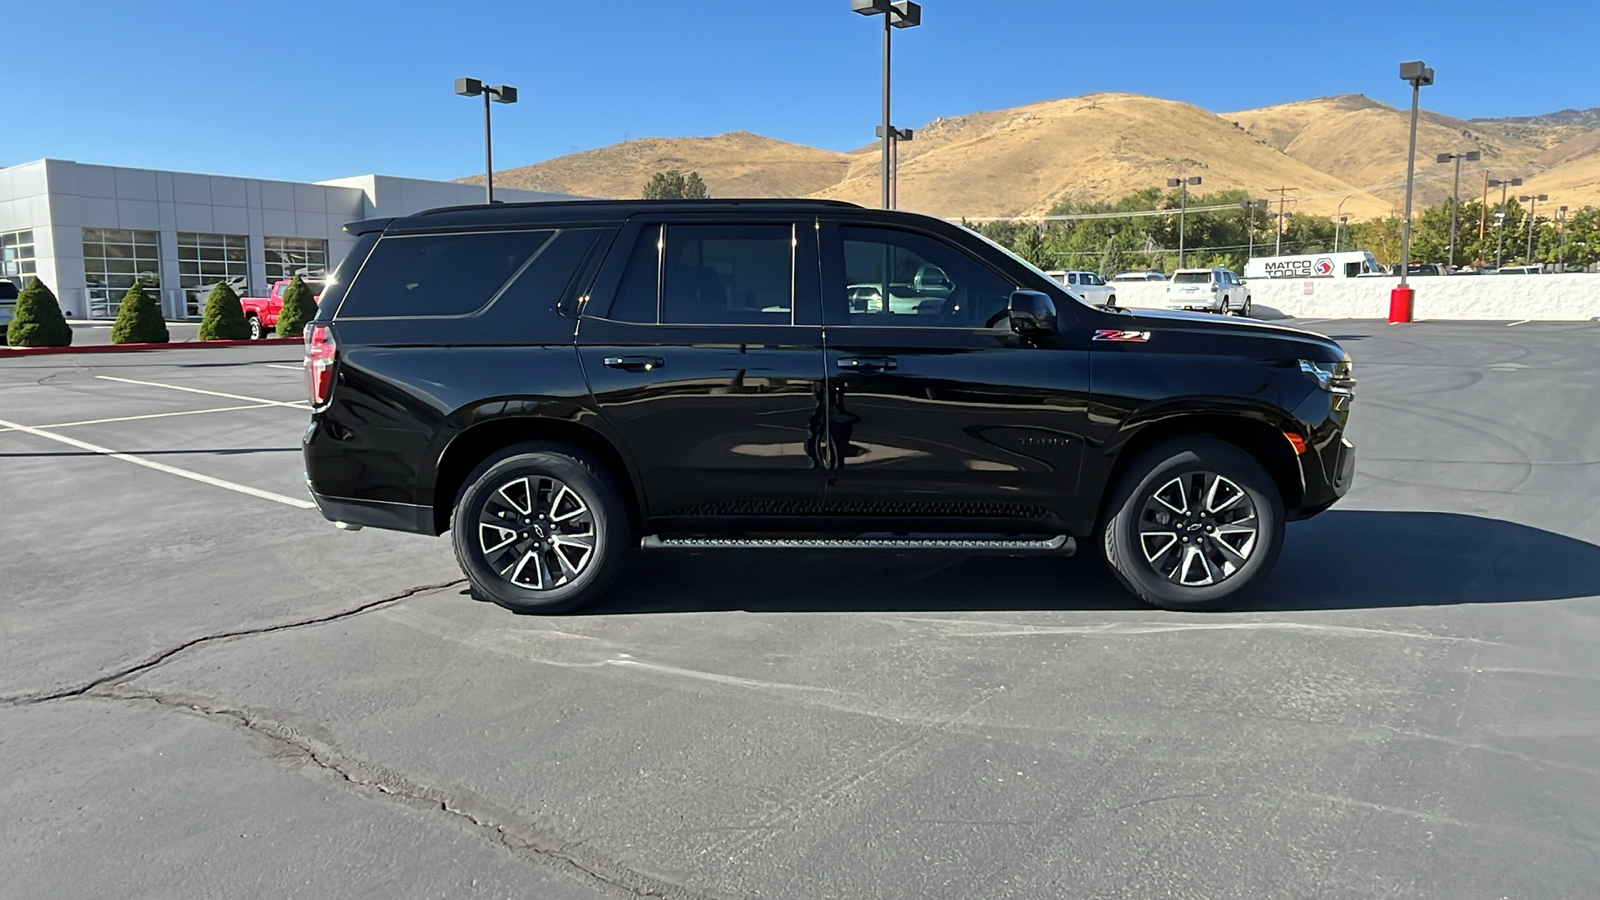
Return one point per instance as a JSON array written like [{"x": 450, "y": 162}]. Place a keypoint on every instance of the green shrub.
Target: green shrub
[
  {"x": 223, "y": 319},
  {"x": 298, "y": 309},
  {"x": 139, "y": 319},
  {"x": 37, "y": 320}
]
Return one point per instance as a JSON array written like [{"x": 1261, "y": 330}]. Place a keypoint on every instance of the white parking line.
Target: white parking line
[
  {"x": 162, "y": 467},
  {"x": 186, "y": 412},
  {"x": 175, "y": 387},
  {"x": 1518, "y": 322}
]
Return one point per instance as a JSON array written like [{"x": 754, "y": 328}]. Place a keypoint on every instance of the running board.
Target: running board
[{"x": 1059, "y": 544}]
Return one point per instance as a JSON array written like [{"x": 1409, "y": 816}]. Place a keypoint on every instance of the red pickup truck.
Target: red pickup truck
[{"x": 262, "y": 312}]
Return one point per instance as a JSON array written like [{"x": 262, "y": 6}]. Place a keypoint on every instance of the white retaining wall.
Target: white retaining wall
[{"x": 1485, "y": 297}]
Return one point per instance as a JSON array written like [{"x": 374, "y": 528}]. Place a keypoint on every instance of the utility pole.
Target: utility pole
[
  {"x": 1183, "y": 207},
  {"x": 1281, "y": 192},
  {"x": 1483, "y": 210}
]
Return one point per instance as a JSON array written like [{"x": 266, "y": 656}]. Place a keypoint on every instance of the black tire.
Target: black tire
[
  {"x": 1131, "y": 533},
  {"x": 1224, "y": 310},
  {"x": 256, "y": 331},
  {"x": 535, "y": 580}
]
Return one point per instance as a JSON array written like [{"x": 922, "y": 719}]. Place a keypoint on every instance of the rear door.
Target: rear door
[
  {"x": 702, "y": 344},
  {"x": 941, "y": 416}
]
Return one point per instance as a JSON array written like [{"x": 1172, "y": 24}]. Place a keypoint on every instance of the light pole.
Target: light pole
[
  {"x": 1561, "y": 244},
  {"x": 1250, "y": 207},
  {"x": 1183, "y": 207},
  {"x": 1339, "y": 221},
  {"x": 900, "y": 134},
  {"x": 1419, "y": 75},
  {"x": 896, "y": 14},
  {"x": 1455, "y": 193},
  {"x": 500, "y": 93},
  {"x": 1533, "y": 220},
  {"x": 1500, "y": 217}
]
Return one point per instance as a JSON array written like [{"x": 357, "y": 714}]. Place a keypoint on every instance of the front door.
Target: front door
[
  {"x": 940, "y": 412},
  {"x": 703, "y": 348}
]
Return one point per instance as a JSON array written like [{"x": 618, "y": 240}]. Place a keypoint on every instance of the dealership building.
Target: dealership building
[{"x": 88, "y": 232}]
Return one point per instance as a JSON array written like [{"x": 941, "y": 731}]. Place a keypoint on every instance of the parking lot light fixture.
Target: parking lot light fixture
[
  {"x": 1183, "y": 205},
  {"x": 1419, "y": 76},
  {"x": 500, "y": 93},
  {"x": 896, "y": 14},
  {"x": 1533, "y": 219},
  {"x": 1500, "y": 217},
  {"x": 1455, "y": 194}
]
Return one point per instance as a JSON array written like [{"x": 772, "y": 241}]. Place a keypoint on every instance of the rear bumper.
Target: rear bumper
[{"x": 376, "y": 514}]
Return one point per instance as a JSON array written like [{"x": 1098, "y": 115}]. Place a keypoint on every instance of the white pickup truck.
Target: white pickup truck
[{"x": 1087, "y": 285}]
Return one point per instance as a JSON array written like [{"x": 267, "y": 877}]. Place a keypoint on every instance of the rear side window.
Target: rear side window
[{"x": 438, "y": 274}]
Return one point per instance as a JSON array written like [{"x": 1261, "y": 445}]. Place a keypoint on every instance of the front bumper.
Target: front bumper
[{"x": 1327, "y": 473}]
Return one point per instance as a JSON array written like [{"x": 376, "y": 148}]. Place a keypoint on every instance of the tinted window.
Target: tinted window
[
  {"x": 900, "y": 278},
  {"x": 8, "y": 291},
  {"x": 638, "y": 295},
  {"x": 1192, "y": 278},
  {"x": 438, "y": 274},
  {"x": 537, "y": 292},
  {"x": 728, "y": 274},
  {"x": 334, "y": 285}
]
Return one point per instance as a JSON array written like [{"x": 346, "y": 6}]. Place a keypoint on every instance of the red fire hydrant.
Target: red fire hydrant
[{"x": 1400, "y": 304}]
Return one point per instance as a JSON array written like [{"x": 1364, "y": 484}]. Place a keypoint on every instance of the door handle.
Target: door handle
[
  {"x": 867, "y": 363},
  {"x": 635, "y": 363}
]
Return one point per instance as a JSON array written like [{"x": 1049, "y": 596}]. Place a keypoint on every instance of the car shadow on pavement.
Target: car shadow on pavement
[{"x": 1342, "y": 559}]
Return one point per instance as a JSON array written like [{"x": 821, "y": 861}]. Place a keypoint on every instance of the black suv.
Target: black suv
[{"x": 559, "y": 384}]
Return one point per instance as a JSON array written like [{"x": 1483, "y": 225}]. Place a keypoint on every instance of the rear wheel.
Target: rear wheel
[
  {"x": 1224, "y": 309},
  {"x": 540, "y": 528},
  {"x": 256, "y": 332},
  {"x": 1192, "y": 523}
]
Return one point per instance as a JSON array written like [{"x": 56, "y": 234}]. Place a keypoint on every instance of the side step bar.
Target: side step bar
[{"x": 1059, "y": 544}]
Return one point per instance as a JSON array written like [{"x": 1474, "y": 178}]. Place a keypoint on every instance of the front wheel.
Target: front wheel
[
  {"x": 540, "y": 528},
  {"x": 256, "y": 331},
  {"x": 1192, "y": 522}
]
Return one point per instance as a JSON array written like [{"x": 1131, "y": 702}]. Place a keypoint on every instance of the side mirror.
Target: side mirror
[{"x": 1032, "y": 313}]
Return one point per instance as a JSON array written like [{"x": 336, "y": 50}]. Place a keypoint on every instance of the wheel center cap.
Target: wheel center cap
[
  {"x": 1194, "y": 526},
  {"x": 538, "y": 530}
]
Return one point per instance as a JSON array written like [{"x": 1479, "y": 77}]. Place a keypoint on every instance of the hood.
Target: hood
[{"x": 1219, "y": 333}]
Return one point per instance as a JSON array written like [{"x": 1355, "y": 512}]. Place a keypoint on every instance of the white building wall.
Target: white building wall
[{"x": 57, "y": 199}]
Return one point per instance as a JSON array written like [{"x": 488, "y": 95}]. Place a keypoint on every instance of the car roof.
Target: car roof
[{"x": 512, "y": 215}]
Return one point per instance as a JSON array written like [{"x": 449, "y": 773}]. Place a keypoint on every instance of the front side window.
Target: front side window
[
  {"x": 204, "y": 260},
  {"x": 113, "y": 259},
  {"x": 900, "y": 278}
]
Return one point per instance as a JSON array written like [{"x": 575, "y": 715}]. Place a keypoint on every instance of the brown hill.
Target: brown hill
[
  {"x": 1098, "y": 147},
  {"x": 1364, "y": 143},
  {"x": 737, "y": 164}
]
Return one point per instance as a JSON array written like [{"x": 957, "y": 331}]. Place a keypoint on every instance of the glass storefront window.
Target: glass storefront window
[
  {"x": 17, "y": 263},
  {"x": 206, "y": 259},
  {"x": 113, "y": 259},
  {"x": 287, "y": 257}
]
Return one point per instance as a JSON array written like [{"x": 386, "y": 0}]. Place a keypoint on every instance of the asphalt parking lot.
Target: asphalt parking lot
[{"x": 209, "y": 691}]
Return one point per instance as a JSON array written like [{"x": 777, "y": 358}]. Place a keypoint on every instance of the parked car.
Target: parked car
[
  {"x": 555, "y": 385},
  {"x": 1139, "y": 276},
  {"x": 261, "y": 313},
  {"x": 1209, "y": 290},
  {"x": 1089, "y": 286},
  {"x": 8, "y": 305},
  {"x": 1521, "y": 270},
  {"x": 1416, "y": 268}
]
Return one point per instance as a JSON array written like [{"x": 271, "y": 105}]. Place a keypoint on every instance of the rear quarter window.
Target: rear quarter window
[{"x": 438, "y": 274}]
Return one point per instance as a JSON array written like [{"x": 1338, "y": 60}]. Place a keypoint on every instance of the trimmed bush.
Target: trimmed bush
[
  {"x": 223, "y": 319},
  {"x": 139, "y": 319},
  {"x": 298, "y": 309},
  {"x": 37, "y": 320}
]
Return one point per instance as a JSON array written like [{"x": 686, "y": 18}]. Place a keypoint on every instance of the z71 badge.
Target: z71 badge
[{"x": 1114, "y": 335}]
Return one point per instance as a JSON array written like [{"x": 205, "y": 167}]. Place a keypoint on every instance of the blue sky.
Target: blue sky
[{"x": 307, "y": 91}]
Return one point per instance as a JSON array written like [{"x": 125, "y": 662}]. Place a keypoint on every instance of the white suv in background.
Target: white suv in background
[
  {"x": 1209, "y": 290},
  {"x": 1087, "y": 285}
]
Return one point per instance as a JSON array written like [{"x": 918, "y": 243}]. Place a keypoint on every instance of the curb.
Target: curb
[{"x": 130, "y": 348}]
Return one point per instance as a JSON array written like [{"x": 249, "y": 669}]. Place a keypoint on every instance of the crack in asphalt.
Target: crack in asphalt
[
  {"x": 167, "y": 655},
  {"x": 520, "y": 837}
]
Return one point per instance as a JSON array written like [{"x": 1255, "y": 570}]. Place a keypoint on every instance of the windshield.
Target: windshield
[{"x": 1192, "y": 278}]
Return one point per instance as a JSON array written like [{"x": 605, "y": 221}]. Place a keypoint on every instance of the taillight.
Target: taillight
[{"x": 320, "y": 353}]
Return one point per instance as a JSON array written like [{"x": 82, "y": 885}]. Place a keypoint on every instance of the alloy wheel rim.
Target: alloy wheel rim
[
  {"x": 1198, "y": 529},
  {"x": 537, "y": 533}
]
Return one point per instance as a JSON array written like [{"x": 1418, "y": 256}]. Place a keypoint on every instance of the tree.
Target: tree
[
  {"x": 139, "y": 319},
  {"x": 37, "y": 320},
  {"x": 674, "y": 185},
  {"x": 298, "y": 309},
  {"x": 223, "y": 319}
]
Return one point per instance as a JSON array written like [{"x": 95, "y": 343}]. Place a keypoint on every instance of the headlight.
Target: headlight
[{"x": 1336, "y": 377}]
